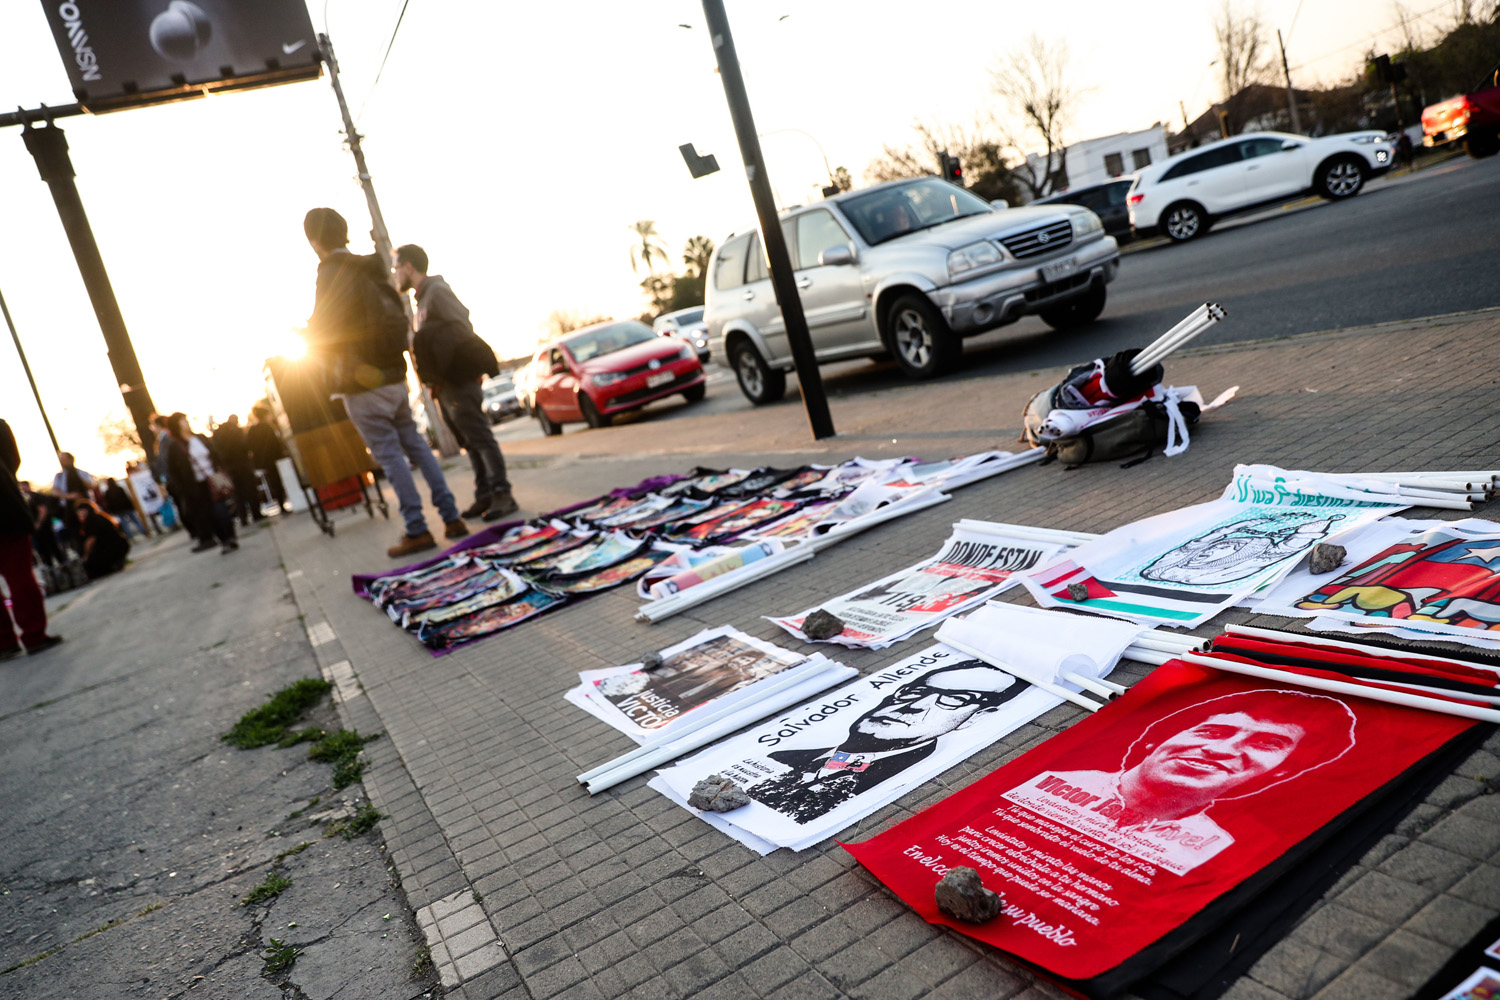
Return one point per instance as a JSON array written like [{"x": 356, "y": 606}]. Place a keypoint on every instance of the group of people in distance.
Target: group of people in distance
[{"x": 212, "y": 480}]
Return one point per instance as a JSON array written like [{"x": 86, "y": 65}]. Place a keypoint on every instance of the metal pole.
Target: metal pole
[
  {"x": 382, "y": 237},
  {"x": 1291, "y": 100},
  {"x": 49, "y": 147},
  {"x": 26, "y": 366},
  {"x": 783, "y": 281}
]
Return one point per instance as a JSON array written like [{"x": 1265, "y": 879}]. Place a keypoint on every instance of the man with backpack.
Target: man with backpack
[
  {"x": 358, "y": 330},
  {"x": 454, "y": 360}
]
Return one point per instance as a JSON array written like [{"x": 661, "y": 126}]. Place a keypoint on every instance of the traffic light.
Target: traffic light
[{"x": 952, "y": 169}]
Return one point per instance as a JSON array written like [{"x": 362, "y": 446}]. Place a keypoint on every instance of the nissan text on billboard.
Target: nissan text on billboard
[{"x": 125, "y": 53}]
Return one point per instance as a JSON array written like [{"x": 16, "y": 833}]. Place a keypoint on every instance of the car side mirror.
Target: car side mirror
[
  {"x": 1289, "y": 145},
  {"x": 558, "y": 369},
  {"x": 836, "y": 256},
  {"x": 999, "y": 204}
]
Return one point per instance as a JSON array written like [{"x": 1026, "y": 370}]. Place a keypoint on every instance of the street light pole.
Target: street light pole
[
  {"x": 783, "y": 281},
  {"x": 382, "y": 237},
  {"x": 1291, "y": 99},
  {"x": 26, "y": 367}
]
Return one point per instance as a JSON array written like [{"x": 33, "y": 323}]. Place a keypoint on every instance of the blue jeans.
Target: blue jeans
[
  {"x": 383, "y": 418},
  {"x": 127, "y": 520}
]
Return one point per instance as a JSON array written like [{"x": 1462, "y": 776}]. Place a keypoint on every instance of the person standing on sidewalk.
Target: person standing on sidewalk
[
  {"x": 454, "y": 360},
  {"x": 28, "y": 612},
  {"x": 234, "y": 451},
  {"x": 266, "y": 450},
  {"x": 191, "y": 469},
  {"x": 356, "y": 333}
]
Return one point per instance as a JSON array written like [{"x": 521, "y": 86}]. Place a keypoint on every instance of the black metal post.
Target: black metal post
[
  {"x": 49, "y": 147},
  {"x": 783, "y": 281},
  {"x": 26, "y": 366}
]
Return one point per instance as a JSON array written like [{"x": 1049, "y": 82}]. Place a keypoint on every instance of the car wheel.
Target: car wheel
[
  {"x": 1077, "y": 311},
  {"x": 759, "y": 383},
  {"x": 920, "y": 339},
  {"x": 1184, "y": 221},
  {"x": 1480, "y": 146},
  {"x": 549, "y": 428},
  {"x": 591, "y": 414},
  {"x": 1340, "y": 178},
  {"x": 696, "y": 393}
]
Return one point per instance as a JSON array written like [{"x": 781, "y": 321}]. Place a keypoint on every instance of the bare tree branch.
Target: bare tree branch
[{"x": 1032, "y": 81}]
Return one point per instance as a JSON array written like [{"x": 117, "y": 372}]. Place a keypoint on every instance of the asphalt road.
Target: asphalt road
[{"x": 1412, "y": 246}]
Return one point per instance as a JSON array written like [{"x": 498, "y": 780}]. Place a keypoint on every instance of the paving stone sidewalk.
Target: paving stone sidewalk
[{"x": 624, "y": 894}]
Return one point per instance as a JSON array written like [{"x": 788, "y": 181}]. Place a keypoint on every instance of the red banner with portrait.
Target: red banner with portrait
[{"x": 1121, "y": 828}]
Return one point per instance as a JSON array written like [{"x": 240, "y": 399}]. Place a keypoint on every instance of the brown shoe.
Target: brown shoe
[
  {"x": 412, "y": 543},
  {"x": 455, "y": 529},
  {"x": 500, "y": 506}
]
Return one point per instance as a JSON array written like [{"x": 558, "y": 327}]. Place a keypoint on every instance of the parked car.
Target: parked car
[
  {"x": 905, "y": 269},
  {"x": 687, "y": 324},
  {"x": 525, "y": 379},
  {"x": 608, "y": 368},
  {"x": 500, "y": 402},
  {"x": 1185, "y": 195},
  {"x": 1105, "y": 200},
  {"x": 1473, "y": 119}
]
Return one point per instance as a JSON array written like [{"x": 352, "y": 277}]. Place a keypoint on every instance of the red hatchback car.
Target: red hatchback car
[{"x": 609, "y": 368}]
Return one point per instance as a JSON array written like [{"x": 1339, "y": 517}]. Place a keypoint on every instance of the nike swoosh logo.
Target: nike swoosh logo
[{"x": 289, "y": 49}]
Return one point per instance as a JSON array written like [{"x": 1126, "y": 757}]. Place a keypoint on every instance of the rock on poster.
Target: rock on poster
[
  {"x": 1428, "y": 576},
  {"x": 972, "y": 565},
  {"x": 1183, "y": 567},
  {"x": 715, "y": 665},
  {"x": 814, "y": 770},
  {"x": 1121, "y": 828}
]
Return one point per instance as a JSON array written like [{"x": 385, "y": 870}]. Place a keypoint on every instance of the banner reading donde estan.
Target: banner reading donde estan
[{"x": 1121, "y": 828}]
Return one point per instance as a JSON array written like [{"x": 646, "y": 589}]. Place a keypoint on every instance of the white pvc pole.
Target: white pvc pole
[
  {"x": 1342, "y": 687},
  {"x": 1166, "y": 338},
  {"x": 1170, "y": 343},
  {"x": 1048, "y": 686}
]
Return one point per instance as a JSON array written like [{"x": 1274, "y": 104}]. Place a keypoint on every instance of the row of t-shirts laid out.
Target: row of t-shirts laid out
[
  {"x": 1162, "y": 843},
  {"x": 668, "y": 532}
]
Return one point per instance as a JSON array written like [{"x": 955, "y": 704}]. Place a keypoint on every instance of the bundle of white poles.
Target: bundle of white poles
[
  {"x": 656, "y": 611},
  {"x": 1193, "y": 324},
  {"x": 1448, "y": 490}
]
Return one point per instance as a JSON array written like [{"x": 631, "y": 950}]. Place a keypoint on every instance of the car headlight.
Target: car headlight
[
  {"x": 1362, "y": 139},
  {"x": 1084, "y": 223},
  {"x": 975, "y": 255},
  {"x": 607, "y": 378}
]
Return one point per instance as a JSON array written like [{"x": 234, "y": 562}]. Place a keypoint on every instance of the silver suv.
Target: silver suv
[{"x": 906, "y": 269}]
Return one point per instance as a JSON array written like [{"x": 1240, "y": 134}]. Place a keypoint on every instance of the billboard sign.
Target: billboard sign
[{"x": 127, "y": 53}]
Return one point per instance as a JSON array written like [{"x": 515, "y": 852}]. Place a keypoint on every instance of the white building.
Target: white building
[{"x": 1094, "y": 161}]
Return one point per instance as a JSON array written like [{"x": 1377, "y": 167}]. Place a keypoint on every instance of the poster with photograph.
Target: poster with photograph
[
  {"x": 1123, "y": 826},
  {"x": 734, "y": 520},
  {"x": 519, "y": 539},
  {"x": 448, "y": 634},
  {"x": 972, "y": 566},
  {"x": 814, "y": 770},
  {"x": 1481, "y": 984},
  {"x": 597, "y": 553},
  {"x": 1438, "y": 577},
  {"x": 798, "y": 526},
  {"x": 717, "y": 665},
  {"x": 1183, "y": 567},
  {"x": 592, "y": 581}
]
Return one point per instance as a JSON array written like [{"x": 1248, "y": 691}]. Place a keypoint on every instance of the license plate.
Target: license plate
[
  {"x": 660, "y": 378},
  {"x": 1058, "y": 269}
]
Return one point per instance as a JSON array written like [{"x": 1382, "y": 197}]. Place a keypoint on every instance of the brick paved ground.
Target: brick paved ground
[{"x": 625, "y": 894}]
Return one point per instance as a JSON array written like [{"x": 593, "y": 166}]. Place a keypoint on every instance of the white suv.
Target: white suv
[
  {"x": 908, "y": 268},
  {"x": 1183, "y": 196}
]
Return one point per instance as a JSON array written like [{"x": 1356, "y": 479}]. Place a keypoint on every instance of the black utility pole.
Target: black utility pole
[
  {"x": 49, "y": 147},
  {"x": 26, "y": 366},
  {"x": 783, "y": 281}
]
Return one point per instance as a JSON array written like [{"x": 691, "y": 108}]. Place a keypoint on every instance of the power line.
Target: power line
[
  {"x": 389, "y": 45},
  {"x": 1365, "y": 39}
]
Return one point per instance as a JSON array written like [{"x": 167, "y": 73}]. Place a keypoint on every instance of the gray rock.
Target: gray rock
[
  {"x": 822, "y": 625},
  {"x": 962, "y": 895},
  {"x": 717, "y": 793},
  {"x": 1078, "y": 592},
  {"x": 650, "y": 660},
  {"x": 1326, "y": 558}
]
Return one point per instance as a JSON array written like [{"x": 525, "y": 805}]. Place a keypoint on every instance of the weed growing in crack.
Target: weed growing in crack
[
  {"x": 269, "y": 722},
  {"x": 310, "y": 803},
  {"x": 361, "y": 822},
  {"x": 290, "y": 851},
  {"x": 296, "y": 736},
  {"x": 423, "y": 964},
  {"x": 341, "y": 749},
  {"x": 279, "y": 957},
  {"x": 274, "y": 885}
]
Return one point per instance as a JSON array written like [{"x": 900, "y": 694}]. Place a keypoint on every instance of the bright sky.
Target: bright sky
[{"x": 517, "y": 144}]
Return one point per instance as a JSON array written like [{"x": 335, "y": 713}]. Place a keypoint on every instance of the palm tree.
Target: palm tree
[
  {"x": 651, "y": 248},
  {"x": 697, "y": 253}
]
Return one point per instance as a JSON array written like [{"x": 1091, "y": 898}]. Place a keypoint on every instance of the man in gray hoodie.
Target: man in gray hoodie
[{"x": 454, "y": 360}]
